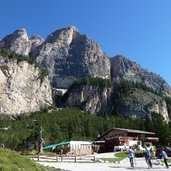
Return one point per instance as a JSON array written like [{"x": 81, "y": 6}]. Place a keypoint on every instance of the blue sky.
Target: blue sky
[{"x": 137, "y": 29}]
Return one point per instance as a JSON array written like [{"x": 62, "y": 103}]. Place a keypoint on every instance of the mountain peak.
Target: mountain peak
[
  {"x": 122, "y": 58},
  {"x": 20, "y": 34},
  {"x": 124, "y": 69},
  {"x": 35, "y": 41},
  {"x": 74, "y": 28},
  {"x": 62, "y": 36},
  {"x": 21, "y": 30},
  {"x": 17, "y": 41}
]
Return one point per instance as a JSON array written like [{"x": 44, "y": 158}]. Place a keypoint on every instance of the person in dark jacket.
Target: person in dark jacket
[
  {"x": 164, "y": 156},
  {"x": 147, "y": 156}
]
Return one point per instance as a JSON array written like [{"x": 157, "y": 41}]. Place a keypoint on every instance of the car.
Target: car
[{"x": 166, "y": 149}]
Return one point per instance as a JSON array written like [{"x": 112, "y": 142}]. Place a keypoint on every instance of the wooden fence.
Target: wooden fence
[{"x": 63, "y": 158}]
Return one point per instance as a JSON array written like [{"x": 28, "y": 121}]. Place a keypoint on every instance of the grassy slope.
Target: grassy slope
[{"x": 12, "y": 161}]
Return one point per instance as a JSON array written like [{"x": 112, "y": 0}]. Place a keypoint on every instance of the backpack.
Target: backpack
[{"x": 147, "y": 154}]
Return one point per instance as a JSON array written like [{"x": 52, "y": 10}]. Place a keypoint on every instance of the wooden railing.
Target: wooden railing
[{"x": 63, "y": 158}]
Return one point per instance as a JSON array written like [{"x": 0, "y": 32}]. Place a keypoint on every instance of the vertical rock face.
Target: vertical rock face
[
  {"x": 35, "y": 41},
  {"x": 22, "y": 87},
  {"x": 137, "y": 103},
  {"x": 93, "y": 99},
  {"x": 124, "y": 69},
  {"x": 17, "y": 41},
  {"x": 69, "y": 55}
]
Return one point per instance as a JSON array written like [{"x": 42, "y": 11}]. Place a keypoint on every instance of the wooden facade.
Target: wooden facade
[{"x": 120, "y": 136}]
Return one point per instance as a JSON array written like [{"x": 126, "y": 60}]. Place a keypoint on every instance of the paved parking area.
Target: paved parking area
[{"x": 140, "y": 165}]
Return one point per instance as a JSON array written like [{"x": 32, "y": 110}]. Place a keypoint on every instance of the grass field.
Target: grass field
[
  {"x": 118, "y": 157},
  {"x": 13, "y": 161}
]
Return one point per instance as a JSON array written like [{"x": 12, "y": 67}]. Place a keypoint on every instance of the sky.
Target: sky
[{"x": 137, "y": 29}]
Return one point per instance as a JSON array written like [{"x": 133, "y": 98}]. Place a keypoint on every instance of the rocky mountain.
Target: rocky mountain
[
  {"x": 17, "y": 42},
  {"x": 137, "y": 103},
  {"x": 35, "y": 42},
  {"x": 124, "y": 69},
  {"x": 69, "y": 55},
  {"x": 22, "y": 87},
  {"x": 111, "y": 100},
  {"x": 93, "y": 99}
]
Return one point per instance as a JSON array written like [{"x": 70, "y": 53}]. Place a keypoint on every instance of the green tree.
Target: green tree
[{"x": 161, "y": 128}]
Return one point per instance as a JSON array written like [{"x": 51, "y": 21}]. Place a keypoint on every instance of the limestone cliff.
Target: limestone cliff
[
  {"x": 35, "y": 42},
  {"x": 22, "y": 87},
  {"x": 94, "y": 99},
  {"x": 134, "y": 103},
  {"x": 137, "y": 103},
  {"x": 69, "y": 56},
  {"x": 124, "y": 69},
  {"x": 17, "y": 42}
]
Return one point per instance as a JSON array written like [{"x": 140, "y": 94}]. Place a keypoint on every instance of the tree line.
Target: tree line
[{"x": 73, "y": 124}]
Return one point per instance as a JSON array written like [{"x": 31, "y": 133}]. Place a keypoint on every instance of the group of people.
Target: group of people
[{"x": 149, "y": 155}]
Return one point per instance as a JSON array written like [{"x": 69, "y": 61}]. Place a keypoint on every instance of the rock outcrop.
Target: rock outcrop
[
  {"x": 22, "y": 87},
  {"x": 69, "y": 56},
  {"x": 94, "y": 99},
  {"x": 35, "y": 42},
  {"x": 17, "y": 42},
  {"x": 124, "y": 69},
  {"x": 137, "y": 103}
]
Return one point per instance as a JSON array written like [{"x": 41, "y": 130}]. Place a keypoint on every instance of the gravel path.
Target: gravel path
[{"x": 140, "y": 164}]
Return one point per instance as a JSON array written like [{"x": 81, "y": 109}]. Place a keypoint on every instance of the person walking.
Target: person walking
[
  {"x": 164, "y": 156},
  {"x": 131, "y": 156},
  {"x": 147, "y": 156}
]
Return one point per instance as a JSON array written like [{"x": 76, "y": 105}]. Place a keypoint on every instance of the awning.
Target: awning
[
  {"x": 151, "y": 139},
  {"x": 56, "y": 145}
]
